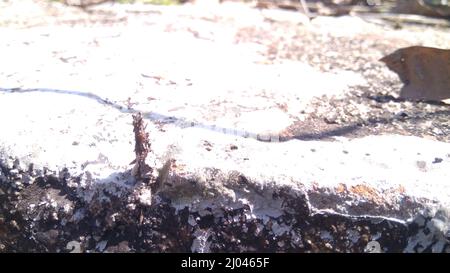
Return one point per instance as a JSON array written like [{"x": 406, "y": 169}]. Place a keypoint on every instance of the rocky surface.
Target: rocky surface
[{"x": 268, "y": 133}]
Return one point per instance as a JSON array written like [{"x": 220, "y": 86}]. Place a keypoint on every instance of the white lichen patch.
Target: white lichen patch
[
  {"x": 280, "y": 229},
  {"x": 145, "y": 196},
  {"x": 326, "y": 236},
  {"x": 353, "y": 236},
  {"x": 200, "y": 243},
  {"x": 433, "y": 234}
]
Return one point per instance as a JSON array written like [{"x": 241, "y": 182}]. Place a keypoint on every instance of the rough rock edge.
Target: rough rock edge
[{"x": 45, "y": 211}]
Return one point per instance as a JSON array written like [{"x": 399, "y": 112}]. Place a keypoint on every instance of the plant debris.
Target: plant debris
[
  {"x": 425, "y": 72},
  {"x": 141, "y": 148}
]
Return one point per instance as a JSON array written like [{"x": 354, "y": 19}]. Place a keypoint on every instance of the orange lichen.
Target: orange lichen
[
  {"x": 341, "y": 188},
  {"x": 365, "y": 192},
  {"x": 401, "y": 189}
]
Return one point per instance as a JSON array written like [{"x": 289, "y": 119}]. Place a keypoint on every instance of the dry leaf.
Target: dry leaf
[{"x": 425, "y": 72}]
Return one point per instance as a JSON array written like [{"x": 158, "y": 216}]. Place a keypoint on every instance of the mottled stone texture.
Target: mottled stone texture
[{"x": 47, "y": 215}]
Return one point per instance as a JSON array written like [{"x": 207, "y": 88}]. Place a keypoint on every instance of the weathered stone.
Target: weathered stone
[{"x": 220, "y": 188}]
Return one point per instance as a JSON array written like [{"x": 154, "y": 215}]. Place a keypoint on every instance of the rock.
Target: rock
[
  {"x": 227, "y": 178},
  {"x": 433, "y": 235}
]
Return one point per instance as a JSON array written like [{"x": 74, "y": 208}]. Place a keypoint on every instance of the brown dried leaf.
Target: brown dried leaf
[{"x": 425, "y": 72}]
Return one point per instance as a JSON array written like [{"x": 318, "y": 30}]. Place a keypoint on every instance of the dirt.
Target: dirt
[{"x": 371, "y": 109}]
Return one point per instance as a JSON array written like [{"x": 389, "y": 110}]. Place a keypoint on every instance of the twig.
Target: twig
[{"x": 141, "y": 148}]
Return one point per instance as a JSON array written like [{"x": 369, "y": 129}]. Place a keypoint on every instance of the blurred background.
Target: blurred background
[{"x": 434, "y": 8}]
